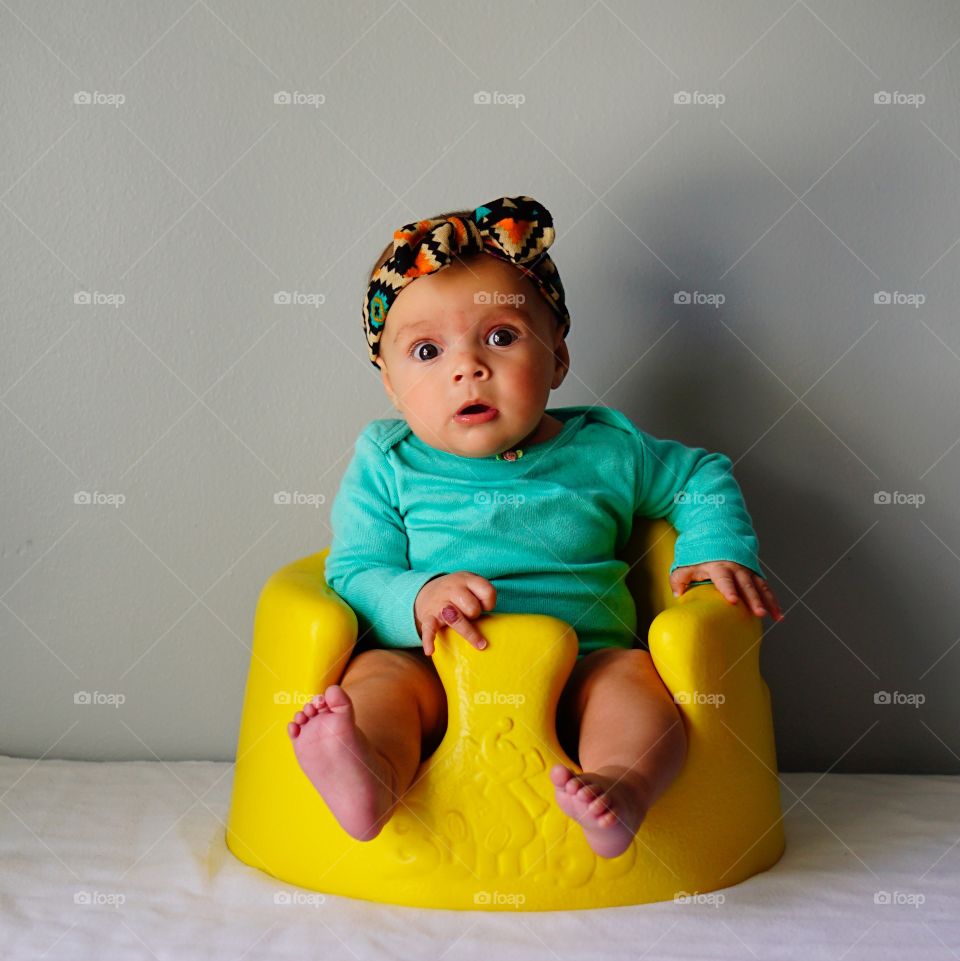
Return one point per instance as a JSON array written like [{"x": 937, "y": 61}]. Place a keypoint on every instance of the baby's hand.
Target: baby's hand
[
  {"x": 729, "y": 578},
  {"x": 452, "y": 600}
]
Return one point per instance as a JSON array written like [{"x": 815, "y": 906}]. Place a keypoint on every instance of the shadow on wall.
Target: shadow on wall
[{"x": 848, "y": 638}]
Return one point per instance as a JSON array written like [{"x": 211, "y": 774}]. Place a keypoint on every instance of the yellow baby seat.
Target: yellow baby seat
[{"x": 480, "y": 828}]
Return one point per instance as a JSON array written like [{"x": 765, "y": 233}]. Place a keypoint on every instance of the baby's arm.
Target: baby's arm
[
  {"x": 698, "y": 494},
  {"x": 368, "y": 561}
]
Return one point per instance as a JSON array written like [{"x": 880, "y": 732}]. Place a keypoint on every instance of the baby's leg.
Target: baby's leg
[
  {"x": 361, "y": 741},
  {"x": 632, "y": 744}
]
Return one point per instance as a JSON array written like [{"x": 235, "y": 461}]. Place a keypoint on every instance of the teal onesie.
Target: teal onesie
[{"x": 545, "y": 529}]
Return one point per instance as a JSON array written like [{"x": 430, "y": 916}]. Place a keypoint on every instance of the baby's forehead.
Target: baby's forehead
[
  {"x": 479, "y": 282},
  {"x": 466, "y": 294}
]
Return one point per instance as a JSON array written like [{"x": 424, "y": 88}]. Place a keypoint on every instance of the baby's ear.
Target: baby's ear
[
  {"x": 563, "y": 364},
  {"x": 387, "y": 386}
]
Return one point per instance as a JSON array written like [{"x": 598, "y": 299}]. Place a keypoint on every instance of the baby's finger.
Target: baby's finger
[
  {"x": 772, "y": 603},
  {"x": 679, "y": 580},
  {"x": 468, "y": 604},
  {"x": 466, "y": 629},
  {"x": 745, "y": 580},
  {"x": 450, "y": 615},
  {"x": 484, "y": 590},
  {"x": 726, "y": 585},
  {"x": 429, "y": 627}
]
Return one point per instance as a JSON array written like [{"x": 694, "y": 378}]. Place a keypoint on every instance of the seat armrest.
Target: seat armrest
[
  {"x": 707, "y": 651},
  {"x": 303, "y": 636}
]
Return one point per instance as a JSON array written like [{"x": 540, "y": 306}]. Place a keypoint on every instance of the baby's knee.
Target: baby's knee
[
  {"x": 629, "y": 659},
  {"x": 404, "y": 669},
  {"x": 379, "y": 663},
  {"x": 613, "y": 664}
]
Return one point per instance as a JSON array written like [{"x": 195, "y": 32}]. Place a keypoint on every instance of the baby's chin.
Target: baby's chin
[
  {"x": 476, "y": 453},
  {"x": 475, "y": 447}
]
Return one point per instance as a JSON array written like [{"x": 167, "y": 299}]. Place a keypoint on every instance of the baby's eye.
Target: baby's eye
[
  {"x": 417, "y": 350},
  {"x": 499, "y": 334}
]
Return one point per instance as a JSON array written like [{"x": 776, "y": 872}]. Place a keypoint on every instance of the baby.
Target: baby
[{"x": 533, "y": 504}]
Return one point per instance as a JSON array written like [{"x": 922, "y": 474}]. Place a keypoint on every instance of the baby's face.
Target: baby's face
[{"x": 473, "y": 332}]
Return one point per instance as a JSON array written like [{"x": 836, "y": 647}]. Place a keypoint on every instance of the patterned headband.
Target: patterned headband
[{"x": 515, "y": 229}]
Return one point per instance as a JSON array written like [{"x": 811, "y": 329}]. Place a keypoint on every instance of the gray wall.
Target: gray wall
[{"x": 198, "y": 198}]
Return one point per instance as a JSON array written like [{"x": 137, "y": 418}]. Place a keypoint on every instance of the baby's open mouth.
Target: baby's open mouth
[{"x": 476, "y": 412}]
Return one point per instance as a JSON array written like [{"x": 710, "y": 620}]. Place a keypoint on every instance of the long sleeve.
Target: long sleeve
[
  {"x": 698, "y": 494},
  {"x": 368, "y": 562}
]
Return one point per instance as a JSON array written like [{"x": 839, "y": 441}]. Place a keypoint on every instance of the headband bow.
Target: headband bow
[{"x": 515, "y": 229}]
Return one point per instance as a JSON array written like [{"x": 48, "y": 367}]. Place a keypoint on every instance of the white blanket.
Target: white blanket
[{"x": 128, "y": 860}]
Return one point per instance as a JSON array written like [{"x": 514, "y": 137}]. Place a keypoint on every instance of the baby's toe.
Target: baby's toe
[
  {"x": 598, "y": 806},
  {"x": 587, "y": 794},
  {"x": 300, "y": 717},
  {"x": 310, "y": 709},
  {"x": 559, "y": 775},
  {"x": 337, "y": 699},
  {"x": 574, "y": 785},
  {"x": 605, "y": 820},
  {"x": 293, "y": 729}
]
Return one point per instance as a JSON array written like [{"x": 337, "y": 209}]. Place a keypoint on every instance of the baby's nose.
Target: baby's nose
[{"x": 468, "y": 365}]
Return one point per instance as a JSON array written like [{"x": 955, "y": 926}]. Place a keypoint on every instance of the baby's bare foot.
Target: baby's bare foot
[
  {"x": 610, "y": 807},
  {"x": 354, "y": 780}
]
